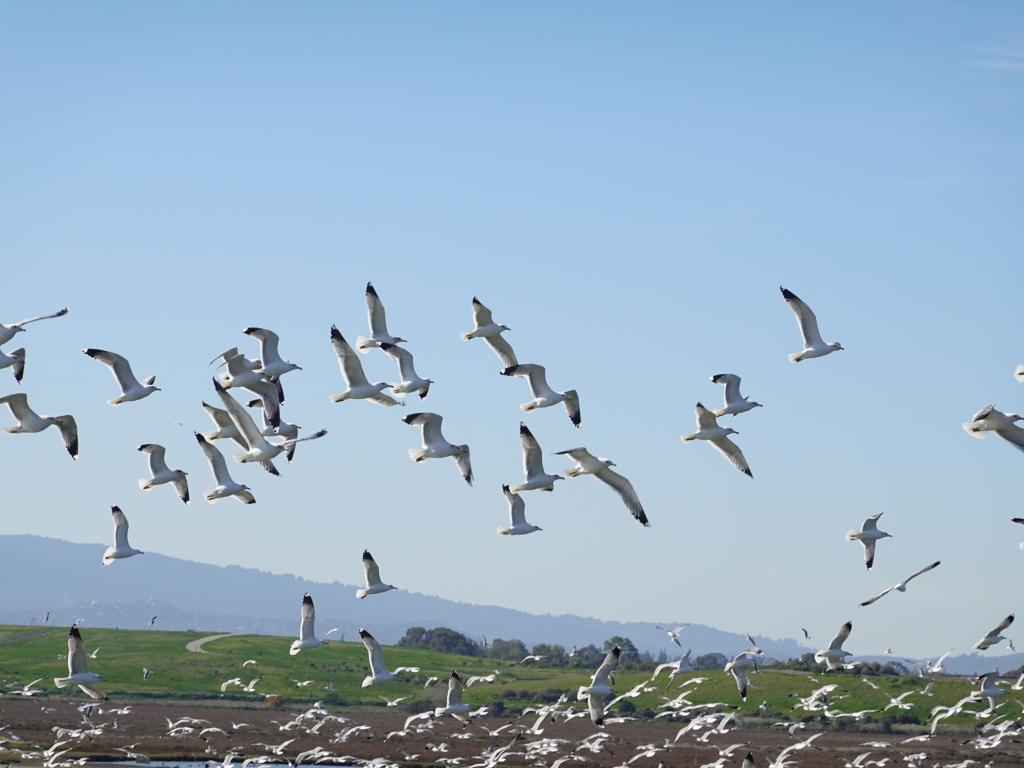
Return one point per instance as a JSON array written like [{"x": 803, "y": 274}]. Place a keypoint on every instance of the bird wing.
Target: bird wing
[
  {"x": 454, "y": 690},
  {"x": 609, "y": 665},
  {"x": 351, "y": 368},
  {"x": 58, "y": 313},
  {"x": 404, "y": 359},
  {"x": 375, "y": 312},
  {"x": 157, "y": 458},
  {"x": 220, "y": 417},
  {"x": 516, "y": 506},
  {"x": 732, "y": 452},
  {"x": 181, "y": 486},
  {"x": 533, "y": 460},
  {"x": 1012, "y": 434},
  {"x": 595, "y": 704},
  {"x": 624, "y": 488},
  {"x": 215, "y": 459},
  {"x": 705, "y": 418},
  {"x": 76, "y": 652},
  {"x": 841, "y": 635},
  {"x": 877, "y": 597},
  {"x": 923, "y": 570},
  {"x": 481, "y": 314},
  {"x": 871, "y": 524},
  {"x": 118, "y": 365},
  {"x": 732, "y": 386},
  {"x": 579, "y": 454},
  {"x": 869, "y": 552},
  {"x": 268, "y": 343},
  {"x": 740, "y": 674},
  {"x": 503, "y": 350},
  {"x": 69, "y": 433},
  {"x": 374, "y": 651},
  {"x": 464, "y": 465},
  {"x": 431, "y": 427},
  {"x": 308, "y": 617},
  {"x": 241, "y": 418},
  {"x": 536, "y": 376},
  {"x": 371, "y": 569},
  {"x": 804, "y": 318},
  {"x": 572, "y": 406},
  {"x": 18, "y": 403},
  {"x": 120, "y": 528},
  {"x": 1002, "y": 625},
  {"x": 381, "y": 399}
]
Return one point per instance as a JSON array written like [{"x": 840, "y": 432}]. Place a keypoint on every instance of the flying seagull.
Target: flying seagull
[
  {"x": 121, "y": 548},
  {"x": 29, "y": 421},
  {"x": 588, "y": 464},
  {"x": 902, "y": 586},
  {"x": 374, "y": 586},
  {"x": 517, "y": 515},
  {"x": 597, "y": 693},
  {"x": 131, "y": 388},
  {"x": 411, "y": 383},
  {"x": 226, "y": 429},
  {"x": 868, "y": 535},
  {"x": 813, "y": 344},
  {"x": 225, "y": 485},
  {"x": 677, "y": 667},
  {"x": 15, "y": 361},
  {"x": 379, "y": 672},
  {"x": 1018, "y": 373},
  {"x": 271, "y": 363},
  {"x": 244, "y": 373},
  {"x": 378, "y": 323},
  {"x": 543, "y": 395},
  {"x": 738, "y": 667},
  {"x": 833, "y": 656},
  {"x": 453, "y": 704},
  {"x": 994, "y": 635},
  {"x": 673, "y": 632},
  {"x": 991, "y": 419},
  {"x": 78, "y": 671},
  {"x": 7, "y": 332},
  {"x": 533, "y": 465},
  {"x": 435, "y": 446},
  {"x": 735, "y": 403},
  {"x": 708, "y": 429},
  {"x": 160, "y": 473},
  {"x": 307, "y": 633},
  {"x": 485, "y": 328},
  {"x": 359, "y": 388},
  {"x": 283, "y": 430}
]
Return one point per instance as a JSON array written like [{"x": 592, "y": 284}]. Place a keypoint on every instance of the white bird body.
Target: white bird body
[
  {"x": 243, "y": 373},
  {"x": 7, "y": 332},
  {"x": 131, "y": 388},
  {"x": 453, "y": 704},
  {"x": 833, "y": 657},
  {"x": 718, "y": 438},
  {"x": 517, "y": 515},
  {"x": 434, "y": 445},
  {"x": 543, "y": 395},
  {"x": 226, "y": 429},
  {"x": 677, "y": 667},
  {"x": 412, "y": 383},
  {"x": 735, "y": 403},
  {"x": 491, "y": 332},
  {"x": 588, "y": 464},
  {"x": 533, "y": 465},
  {"x": 160, "y": 473},
  {"x": 902, "y": 586},
  {"x": 359, "y": 387},
  {"x": 307, "y": 630},
  {"x": 378, "y": 323},
  {"x": 379, "y": 672},
  {"x": 814, "y": 346},
  {"x": 271, "y": 363},
  {"x": 371, "y": 571},
  {"x": 738, "y": 667},
  {"x": 994, "y": 636},
  {"x": 868, "y": 535},
  {"x": 226, "y": 486},
  {"x": 78, "y": 672},
  {"x": 121, "y": 548},
  {"x": 15, "y": 361},
  {"x": 600, "y": 689},
  {"x": 991, "y": 419},
  {"x": 989, "y": 689},
  {"x": 30, "y": 422}
]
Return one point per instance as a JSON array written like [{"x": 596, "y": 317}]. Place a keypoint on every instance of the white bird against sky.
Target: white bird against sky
[
  {"x": 868, "y": 535},
  {"x": 378, "y": 323},
  {"x": 599, "y": 690},
  {"x": 814, "y": 346},
  {"x": 834, "y": 656},
  {"x": 8, "y": 331},
  {"x": 901, "y": 586},
  {"x": 226, "y": 429},
  {"x": 718, "y": 438},
  {"x": 434, "y": 445},
  {"x": 245, "y": 374},
  {"x": 120, "y": 548},
  {"x": 491, "y": 332},
  {"x": 30, "y": 422},
  {"x": 453, "y": 703},
  {"x": 536, "y": 479},
  {"x": 411, "y": 382},
  {"x": 307, "y": 628},
  {"x": 359, "y": 388},
  {"x": 673, "y": 632},
  {"x": 131, "y": 388},
  {"x": 1018, "y": 373},
  {"x": 991, "y": 419},
  {"x": 15, "y": 361},
  {"x": 601, "y": 468},
  {"x": 78, "y": 669},
  {"x": 284, "y": 429},
  {"x": 371, "y": 572},
  {"x": 160, "y": 473},
  {"x": 226, "y": 487},
  {"x": 543, "y": 395},
  {"x": 271, "y": 364},
  {"x": 517, "y": 515},
  {"x": 379, "y": 672},
  {"x": 735, "y": 403},
  {"x": 995, "y": 635}
]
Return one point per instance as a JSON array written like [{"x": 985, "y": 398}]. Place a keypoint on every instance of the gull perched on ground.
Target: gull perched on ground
[
  {"x": 485, "y": 328},
  {"x": 735, "y": 403},
  {"x": 359, "y": 388},
  {"x": 226, "y": 429},
  {"x": 226, "y": 487},
  {"x": 434, "y": 445},
  {"x": 738, "y": 667},
  {"x": 78, "y": 671},
  {"x": 411, "y": 382},
  {"x": 833, "y": 656},
  {"x": 379, "y": 672},
  {"x": 453, "y": 704},
  {"x": 131, "y": 388},
  {"x": 29, "y": 421},
  {"x": 588, "y": 464},
  {"x": 994, "y": 636},
  {"x": 374, "y": 586},
  {"x": 517, "y": 515},
  {"x": 991, "y": 419},
  {"x": 708, "y": 429},
  {"x": 7, "y": 332},
  {"x": 121, "y": 548},
  {"x": 160, "y": 473},
  {"x": 15, "y": 361},
  {"x": 673, "y": 632},
  {"x": 378, "y": 323},
  {"x": 813, "y": 344},
  {"x": 533, "y": 465},
  {"x": 868, "y": 535},
  {"x": 307, "y": 632},
  {"x": 902, "y": 586},
  {"x": 543, "y": 395},
  {"x": 599, "y": 689}
]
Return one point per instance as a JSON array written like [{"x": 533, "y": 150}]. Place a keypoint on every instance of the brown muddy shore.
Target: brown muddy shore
[{"x": 145, "y": 727}]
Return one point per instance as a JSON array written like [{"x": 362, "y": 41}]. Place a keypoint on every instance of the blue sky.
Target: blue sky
[{"x": 626, "y": 185}]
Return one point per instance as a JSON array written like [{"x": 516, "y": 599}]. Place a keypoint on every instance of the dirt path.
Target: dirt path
[{"x": 196, "y": 646}]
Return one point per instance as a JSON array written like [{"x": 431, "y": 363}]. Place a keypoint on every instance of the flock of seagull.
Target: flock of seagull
[{"x": 262, "y": 379}]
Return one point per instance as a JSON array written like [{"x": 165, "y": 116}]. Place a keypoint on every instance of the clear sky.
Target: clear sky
[{"x": 626, "y": 185}]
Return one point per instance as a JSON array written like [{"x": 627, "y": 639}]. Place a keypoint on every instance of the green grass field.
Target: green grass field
[{"x": 27, "y": 653}]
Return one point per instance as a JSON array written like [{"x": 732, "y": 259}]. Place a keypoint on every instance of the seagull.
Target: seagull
[
  {"x": 531, "y": 657},
  {"x": 1018, "y": 372},
  {"x": 29, "y": 421},
  {"x": 121, "y": 548},
  {"x": 374, "y": 586},
  {"x": 435, "y": 446},
  {"x": 152, "y": 621},
  {"x": 543, "y": 395},
  {"x": 833, "y": 656},
  {"x": 160, "y": 473},
  {"x": 994, "y": 635},
  {"x": 379, "y": 672},
  {"x": 677, "y": 667},
  {"x": 485, "y": 328},
  {"x": 599, "y": 690},
  {"x": 868, "y": 535},
  {"x": 807, "y": 635},
  {"x": 226, "y": 429},
  {"x": 146, "y": 672},
  {"x": 813, "y": 345},
  {"x": 453, "y": 705},
  {"x": 748, "y": 761},
  {"x": 15, "y": 361},
  {"x": 533, "y": 465},
  {"x": 131, "y": 388},
  {"x": 241, "y": 373},
  {"x": 283, "y": 430},
  {"x": 78, "y": 672},
  {"x": 936, "y": 668},
  {"x": 411, "y": 382},
  {"x": 359, "y": 388},
  {"x": 902, "y": 586},
  {"x": 991, "y": 419},
  {"x": 738, "y": 667},
  {"x": 708, "y": 429},
  {"x": 378, "y": 323},
  {"x": 226, "y": 487},
  {"x": 271, "y": 364},
  {"x": 393, "y": 702},
  {"x": 735, "y": 403},
  {"x": 588, "y": 464},
  {"x": 990, "y": 690},
  {"x": 673, "y": 633},
  {"x": 517, "y": 514},
  {"x": 7, "y": 332},
  {"x": 307, "y": 633}
]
